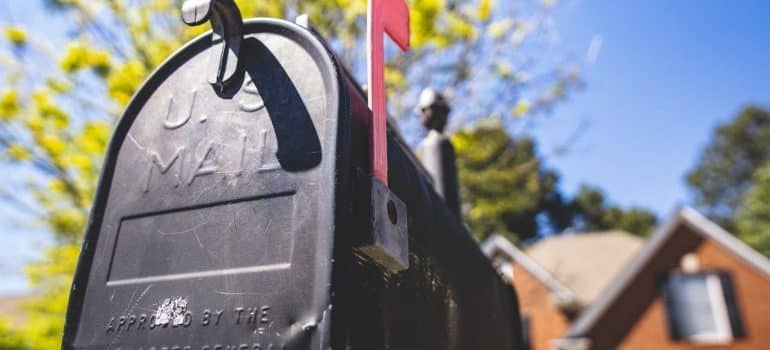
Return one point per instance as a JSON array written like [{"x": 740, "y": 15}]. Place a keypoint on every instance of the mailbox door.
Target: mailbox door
[{"x": 213, "y": 221}]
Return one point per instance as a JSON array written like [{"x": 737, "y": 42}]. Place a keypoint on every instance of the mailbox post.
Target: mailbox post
[{"x": 236, "y": 210}]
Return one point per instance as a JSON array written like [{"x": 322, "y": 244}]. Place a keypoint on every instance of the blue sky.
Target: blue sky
[{"x": 666, "y": 74}]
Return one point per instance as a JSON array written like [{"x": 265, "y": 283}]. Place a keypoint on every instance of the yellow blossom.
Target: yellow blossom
[
  {"x": 394, "y": 77},
  {"x": 123, "y": 81},
  {"x": 17, "y": 152},
  {"x": 57, "y": 185},
  {"x": 16, "y": 35},
  {"x": 9, "y": 104},
  {"x": 461, "y": 28},
  {"x": 521, "y": 108},
  {"x": 52, "y": 144},
  {"x": 484, "y": 10},
  {"x": 93, "y": 138},
  {"x": 68, "y": 222},
  {"x": 422, "y": 18},
  {"x": 35, "y": 123},
  {"x": 80, "y": 161},
  {"x": 49, "y": 111},
  {"x": 80, "y": 55},
  {"x": 499, "y": 28}
]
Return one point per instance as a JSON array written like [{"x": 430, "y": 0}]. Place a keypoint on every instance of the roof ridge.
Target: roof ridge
[
  {"x": 708, "y": 228},
  {"x": 578, "y": 235}
]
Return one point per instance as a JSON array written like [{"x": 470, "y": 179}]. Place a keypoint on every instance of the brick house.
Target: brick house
[{"x": 691, "y": 285}]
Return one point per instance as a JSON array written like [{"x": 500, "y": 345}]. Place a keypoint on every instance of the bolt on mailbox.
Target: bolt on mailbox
[{"x": 238, "y": 209}]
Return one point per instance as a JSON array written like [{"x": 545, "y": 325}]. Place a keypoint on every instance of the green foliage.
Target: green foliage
[
  {"x": 9, "y": 339},
  {"x": 507, "y": 190},
  {"x": 55, "y": 122},
  {"x": 726, "y": 167},
  {"x": 502, "y": 182},
  {"x": 52, "y": 276},
  {"x": 592, "y": 213},
  {"x": 753, "y": 217}
]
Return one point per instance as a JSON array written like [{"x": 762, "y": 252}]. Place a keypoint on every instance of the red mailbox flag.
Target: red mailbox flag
[{"x": 391, "y": 17}]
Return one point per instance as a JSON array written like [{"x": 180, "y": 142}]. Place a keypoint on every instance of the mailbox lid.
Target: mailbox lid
[{"x": 213, "y": 222}]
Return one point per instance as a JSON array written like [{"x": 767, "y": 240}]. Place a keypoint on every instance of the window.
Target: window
[{"x": 701, "y": 308}]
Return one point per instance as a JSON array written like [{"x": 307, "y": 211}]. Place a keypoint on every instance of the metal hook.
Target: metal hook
[{"x": 227, "y": 27}]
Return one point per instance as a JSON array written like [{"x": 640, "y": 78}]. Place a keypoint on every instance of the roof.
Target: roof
[
  {"x": 573, "y": 260},
  {"x": 497, "y": 242},
  {"x": 686, "y": 217}
]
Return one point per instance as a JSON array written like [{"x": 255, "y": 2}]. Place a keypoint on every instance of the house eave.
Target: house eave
[{"x": 561, "y": 294}]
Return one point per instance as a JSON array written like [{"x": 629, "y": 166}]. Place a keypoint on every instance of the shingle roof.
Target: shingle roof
[
  {"x": 586, "y": 262},
  {"x": 499, "y": 243}
]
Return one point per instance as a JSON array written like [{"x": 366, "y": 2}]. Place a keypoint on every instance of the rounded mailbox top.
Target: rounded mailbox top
[{"x": 211, "y": 202}]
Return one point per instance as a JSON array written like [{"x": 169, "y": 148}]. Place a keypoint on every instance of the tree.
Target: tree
[
  {"x": 592, "y": 213},
  {"x": 9, "y": 340},
  {"x": 726, "y": 167},
  {"x": 506, "y": 189},
  {"x": 753, "y": 215},
  {"x": 502, "y": 182},
  {"x": 60, "y": 100}
]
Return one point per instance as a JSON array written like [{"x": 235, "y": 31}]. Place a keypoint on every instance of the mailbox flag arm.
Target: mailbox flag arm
[{"x": 391, "y": 17}]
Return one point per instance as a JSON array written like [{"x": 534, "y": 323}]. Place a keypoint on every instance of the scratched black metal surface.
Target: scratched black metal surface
[
  {"x": 449, "y": 298},
  {"x": 226, "y": 220}
]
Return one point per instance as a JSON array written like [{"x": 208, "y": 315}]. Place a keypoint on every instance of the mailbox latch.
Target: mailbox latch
[
  {"x": 384, "y": 235},
  {"x": 227, "y": 28}
]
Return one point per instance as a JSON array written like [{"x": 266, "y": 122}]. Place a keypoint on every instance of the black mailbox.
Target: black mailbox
[{"x": 237, "y": 216}]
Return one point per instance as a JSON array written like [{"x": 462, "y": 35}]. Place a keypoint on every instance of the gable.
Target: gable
[
  {"x": 751, "y": 289},
  {"x": 636, "y": 296},
  {"x": 632, "y": 293}
]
